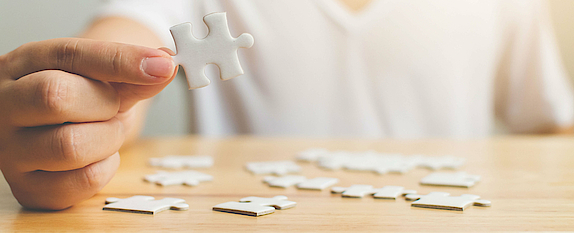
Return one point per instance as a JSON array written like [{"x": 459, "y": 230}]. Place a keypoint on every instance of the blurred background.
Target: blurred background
[{"x": 32, "y": 20}]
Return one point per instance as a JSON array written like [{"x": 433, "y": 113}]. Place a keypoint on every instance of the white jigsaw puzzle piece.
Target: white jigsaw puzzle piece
[
  {"x": 182, "y": 161},
  {"x": 273, "y": 167},
  {"x": 392, "y": 192},
  {"x": 283, "y": 181},
  {"x": 380, "y": 163},
  {"x": 359, "y": 191},
  {"x": 191, "y": 178},
  {"x": 335, "y": 160},
  {"x": 318, "y": 183},
  {"x": 256, "y": 206},
  {"x": 441, "y": 162},
  {"x": 218, "y": 48},
  {"x": 144, "y": 204},
  {"x": 355, "y": 191},
  {"x": 312, "y": 154},
  {"x": 442, "y": 200},
  {"x": 457, "y": 179}
]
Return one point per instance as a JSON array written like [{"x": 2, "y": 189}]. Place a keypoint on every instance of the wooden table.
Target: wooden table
[{"x": 530, "y": 181}]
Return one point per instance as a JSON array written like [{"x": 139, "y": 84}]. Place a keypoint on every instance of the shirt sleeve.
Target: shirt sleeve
[
  {"x": 533, "y": 92},
  {"x": 158, "y": 16}
]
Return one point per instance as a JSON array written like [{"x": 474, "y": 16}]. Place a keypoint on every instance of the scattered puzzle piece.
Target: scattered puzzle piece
[
  {"x": 335, "y": 160},
  {"x": 218, "y": 48},
  {"x": 318, "y": 183},
  {"x": 381, "y": 164},
  {"x": 182, "y": 161},
  {"x": 359, "y": 191},
  {"x": 441, "y": 200},
  {"x": 392, "y": 192},
  {"x": 312, "y": 154},
  {"x": 255, "y": 206},
  {"x": 283, "y": 181},
  {"x": 191, "y": 178},
  {"x": 457, "y": 179},
  {"x": 144, "y": 204},
  {"x": 436, "y": 163},
  {"x": 273, "y": 167},
  {"x": 377, "y": 162}
]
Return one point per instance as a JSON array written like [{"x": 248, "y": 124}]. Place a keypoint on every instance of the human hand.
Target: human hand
[{"x": 66, "y": 106}]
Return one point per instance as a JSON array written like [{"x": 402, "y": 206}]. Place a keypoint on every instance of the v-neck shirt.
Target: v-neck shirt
[{"x": 405, "y": 69}]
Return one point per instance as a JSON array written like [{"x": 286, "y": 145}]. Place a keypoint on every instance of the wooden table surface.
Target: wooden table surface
[{"x": 530, "y": 181}]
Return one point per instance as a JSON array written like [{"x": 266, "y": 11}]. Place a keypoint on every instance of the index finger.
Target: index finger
[{"x": 104, "y": 61}]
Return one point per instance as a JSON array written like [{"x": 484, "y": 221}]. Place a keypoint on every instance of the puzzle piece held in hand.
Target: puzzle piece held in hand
[
  {"x": 182, "y": 161},
  {"x": 255, "y": 206},
  {"x": 218, "y": 48},
  {"x": 273, "y": 167},
  {"x": 359, "y": 191},
  {"x": 191, "y": 178},
  {"x": 144, "y": 204},
  {"x": 441, "y": 200},
  {"x": 318, "y": 183},
  {"x": 456, "y": 179}
]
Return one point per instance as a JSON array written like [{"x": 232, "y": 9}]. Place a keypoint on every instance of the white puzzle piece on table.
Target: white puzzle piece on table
[
  {"x": 335, "y": 160},
  {"x": 312, "y": 154},
  {"x": 454, "y": 179},
  {"x": 182, "y": 161},
  {"x": 381, "y": 164},
  {"x": 442, "y": 162},
  {"x": 144, "y": 204},
  {"x": 255, "y": 206},
  {"x": 441, "y": 200},
  {"x": 191, "y": 178},
  {"x": 273, "y": 167},
  {"x": 218, "y": 48},
  {"x": 377, "y": 162},
  {"x": 283, "y": 181},
  {"x": 392, "y": 192},
  {"x": 318, "y": 183},
  {"x": 359, "y": 191}
]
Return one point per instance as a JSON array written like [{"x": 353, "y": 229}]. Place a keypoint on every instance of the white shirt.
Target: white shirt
[{"x": 403, "y": 69}]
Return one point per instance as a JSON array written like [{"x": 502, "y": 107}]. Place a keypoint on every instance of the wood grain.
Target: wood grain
[{"x": 530, "y": 181}]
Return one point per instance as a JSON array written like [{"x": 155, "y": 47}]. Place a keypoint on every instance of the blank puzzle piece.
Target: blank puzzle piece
[
  {"x": 441, "y": 200},
  {"x": 273, "y": 167},
  {"x": 318, "y": 183},
  {"x": 456, "y": 179},
  {"x": 376, "y": 162},
  {"x": 256, "y": 206},
  {"x": 312, "y": 154},
  {"x": 191, "y": 178},
  {"x": 283, "y": 181},
  {"x": 436, "y": 163},
  {"x": 144, "y": 204},
  {"x": 381, "y": 164},
  {"x": 218, "y": 48},
  {"x": 359, "y": 191},
  {"x": 182, "y": 161}
]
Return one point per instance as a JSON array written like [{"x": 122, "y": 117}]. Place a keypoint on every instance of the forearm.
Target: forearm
[{"x": 123, "y": 30}]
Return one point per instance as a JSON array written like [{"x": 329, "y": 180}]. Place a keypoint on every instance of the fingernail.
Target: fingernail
[{"x": 158, "y": 66}]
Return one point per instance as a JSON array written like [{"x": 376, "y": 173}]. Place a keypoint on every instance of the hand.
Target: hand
[{"x": 65, "y": 108}]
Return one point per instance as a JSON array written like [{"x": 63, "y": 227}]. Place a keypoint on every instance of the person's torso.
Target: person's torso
[{"x": 397, "y": 68}]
